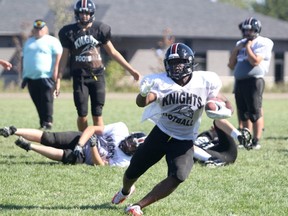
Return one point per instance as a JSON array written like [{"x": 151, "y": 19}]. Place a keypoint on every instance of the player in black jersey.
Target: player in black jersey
[{"x": 81, "y": 43}]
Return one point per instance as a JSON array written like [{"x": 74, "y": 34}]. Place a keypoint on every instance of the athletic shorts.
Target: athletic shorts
[
  {"x": 248, "y": 96},
  {"x": 66, "y": 141},
  {"x": 178, "y": 154},
  {"x": 87, "y": 86}
]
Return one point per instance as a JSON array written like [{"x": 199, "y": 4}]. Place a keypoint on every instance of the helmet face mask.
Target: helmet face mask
[
  {"x": 251, "y": 28},
  {"x": 85, "y": 7},
  {"x": 131, "y": 143},
  {"x": 179, "y": 61}
]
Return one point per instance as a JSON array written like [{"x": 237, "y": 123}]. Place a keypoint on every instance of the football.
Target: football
[
  {"x": 215, "y": 108},
  {"x": 211, "y": 105}
]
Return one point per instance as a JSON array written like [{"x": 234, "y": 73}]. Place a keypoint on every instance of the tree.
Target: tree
[
  {"x": 63, "y": 11},
  {"x": 274, "y": 8}
]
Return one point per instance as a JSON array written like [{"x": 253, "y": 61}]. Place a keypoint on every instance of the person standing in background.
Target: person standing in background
[
  {"x": 250, "y": 60},
  {"x": 41, "y": 57},
  {"x": 82, "y": 42}
]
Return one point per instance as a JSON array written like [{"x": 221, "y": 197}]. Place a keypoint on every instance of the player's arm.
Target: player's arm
[
  {"x": 88, "y": 132},
  {"x": 233, "y": 58},
  {"x": 253, "y": 59},
  {"x": 143, "y": 101},
  {"x": 61, "y": 69},
  {"x": 97, "y": 160},
  {"x": 7, "y": 65},
  {"x": 113, "y": 53},
  {"x": 56, "y": 66},
  {"x": 145, "y": 96}
]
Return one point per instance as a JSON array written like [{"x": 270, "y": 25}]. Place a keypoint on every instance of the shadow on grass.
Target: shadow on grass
[
  {"x": 84, "y": 207},
  {"x": 276, "y": 138},
  {"x": 6, "y": 159}
]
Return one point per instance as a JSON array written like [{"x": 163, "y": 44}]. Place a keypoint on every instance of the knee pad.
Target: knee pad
[{"x": 97, "y": 111}]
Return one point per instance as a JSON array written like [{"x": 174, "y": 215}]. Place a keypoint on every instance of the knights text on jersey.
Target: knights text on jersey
[
  {"x": 178, "y": 109},
  {"x": 84, "y": 46}
]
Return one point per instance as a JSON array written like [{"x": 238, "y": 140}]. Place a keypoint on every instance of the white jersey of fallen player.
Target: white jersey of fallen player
[
  {"x": 178, "y": 109},
  {"x": 107, "y": 145}
]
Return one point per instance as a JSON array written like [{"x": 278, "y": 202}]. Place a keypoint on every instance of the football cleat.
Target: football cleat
[
  {"x": 214, "y": 162},
  {"x": 7, "y": 131},
  {"x": 134, "y": 210},
  {"x": 119, "y": 197},
  {"x": 255, "y": 144},
  {"x": 245, "y": 139},
  {"x": 23, "y": 143}
]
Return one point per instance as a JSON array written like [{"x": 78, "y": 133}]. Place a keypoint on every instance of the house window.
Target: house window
[
  {"x": 200, "y": 60},
  {"x": 279, "y": 68}
]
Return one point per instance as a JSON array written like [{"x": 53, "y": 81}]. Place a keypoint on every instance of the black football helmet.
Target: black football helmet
[
  {"x": 130, "y": 144},
  {"x": 251, "y": 24},
  {"x": 84, "y": 6},
  {"x": 179, "y": 54}
]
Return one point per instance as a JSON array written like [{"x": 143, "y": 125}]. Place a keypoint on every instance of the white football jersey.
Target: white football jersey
[
  {"x": 107, "y": 145},
  {"x": 178, "y": 109},
  {"x": 261, "y": 46}
]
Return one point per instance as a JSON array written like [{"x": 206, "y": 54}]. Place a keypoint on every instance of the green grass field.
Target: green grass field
[{"x": 33, "y": 185}]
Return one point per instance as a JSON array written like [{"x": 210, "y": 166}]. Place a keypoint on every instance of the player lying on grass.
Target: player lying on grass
[
  {"x": 217, "y": 146},
  {"x": 114, "y": 146}
]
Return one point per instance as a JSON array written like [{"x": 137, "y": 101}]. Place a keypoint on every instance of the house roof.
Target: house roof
[
  {"x": 131, "y": 18},
  {"x": 18, "y": 15},
  {"x": 187, "y": 18}
]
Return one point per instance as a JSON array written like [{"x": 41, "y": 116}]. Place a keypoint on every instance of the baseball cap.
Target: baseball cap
[{"x": 39, "y": 24}]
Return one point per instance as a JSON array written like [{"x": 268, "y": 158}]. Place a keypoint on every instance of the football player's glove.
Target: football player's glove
[
  {"x": 146, "y": 87},
  {"x": 78, "y": 150}
]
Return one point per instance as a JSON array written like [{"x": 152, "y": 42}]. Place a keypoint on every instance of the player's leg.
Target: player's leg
[
  {"x": 81, "y": 96},
  {"x": 47, "y": 101},
  {"x": 32, "y": 135},
  {"x": 146, "y": 156},
  {"x": 49, "y": 152},
  {"x": 256, "y": 110},
  {"x": 35, "y": 94},
  {"x": 179, "y": 159},
  {"x": 97, "y": 97}
]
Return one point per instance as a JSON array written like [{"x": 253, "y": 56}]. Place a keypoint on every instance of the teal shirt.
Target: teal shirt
[{"x": 39, "y": 56}]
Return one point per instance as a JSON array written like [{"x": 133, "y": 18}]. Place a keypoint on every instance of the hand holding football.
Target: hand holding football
[{"x": 215, "y": 108}]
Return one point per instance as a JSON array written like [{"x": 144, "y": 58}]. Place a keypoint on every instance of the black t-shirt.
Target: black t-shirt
[{"x": 84, "y": 46}]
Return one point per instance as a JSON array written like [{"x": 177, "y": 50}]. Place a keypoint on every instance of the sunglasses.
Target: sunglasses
[{"x": 39, "y": 24}]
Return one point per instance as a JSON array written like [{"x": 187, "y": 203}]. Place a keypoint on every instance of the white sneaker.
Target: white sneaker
[
  {"x": 134, "y": 210},
  {"x": 119, "y": 197}
]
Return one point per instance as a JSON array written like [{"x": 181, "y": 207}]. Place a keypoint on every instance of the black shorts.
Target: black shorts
[
  {"x": 87, "y": 86},
  {"x": 179, "y": 155},
  {"x": 248, "y": 96},
  {"x": 66, "y": 141}
]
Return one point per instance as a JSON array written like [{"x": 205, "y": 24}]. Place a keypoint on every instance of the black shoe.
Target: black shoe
[
  {"x": 255, "y": 144},
  {"x": 245, "y": 139},
  {"x": 23, "y": 143},
  {"x": 7, "y": 131},
  {"x": 214, "y": 162},
  {"x": 46, "y": 126}
]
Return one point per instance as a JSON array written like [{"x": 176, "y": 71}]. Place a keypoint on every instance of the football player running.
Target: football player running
[{"x": 176, "y": 100}]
